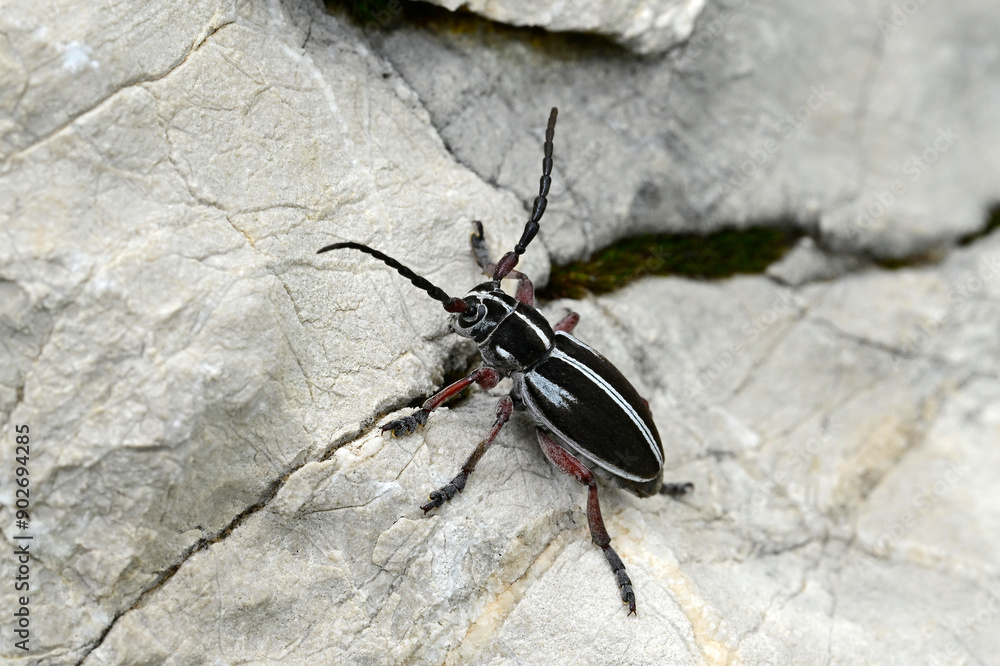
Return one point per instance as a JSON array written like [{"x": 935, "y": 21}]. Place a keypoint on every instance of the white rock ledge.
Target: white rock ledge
[{"x": 644, "y": 26}]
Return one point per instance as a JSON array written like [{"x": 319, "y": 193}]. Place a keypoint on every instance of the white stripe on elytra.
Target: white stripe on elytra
[
  {"x": 617, "y": 397},
  {"x": 554, "y": 393},
  {"x": 543, "y": 420},
  {"x": 561, "y": 437}
]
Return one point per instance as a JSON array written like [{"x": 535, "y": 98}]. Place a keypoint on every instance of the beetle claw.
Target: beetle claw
[
  {"x": 445, "y": 493},
  {"x": 628, "y": 597},
  {"x": 625, "y": 584},
  {"x": 407, "y": 424},
  {"x": 437, "y": 499}
]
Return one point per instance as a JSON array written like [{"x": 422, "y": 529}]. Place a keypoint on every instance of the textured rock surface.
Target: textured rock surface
[
  {"x": 166, "y": 332},
  {"x": 646, "y": 26},
  {"x": 849, "y": 518},
  {"x": 874, "y": 128},
  {"x": 201, "y": 387}
]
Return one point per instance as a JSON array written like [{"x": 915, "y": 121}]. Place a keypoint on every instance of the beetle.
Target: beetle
[{"x": 588, "y": 416}]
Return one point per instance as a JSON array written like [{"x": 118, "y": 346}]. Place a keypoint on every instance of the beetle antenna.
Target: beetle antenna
[
  {"x": 438, "y": 294},
  {"x": 509, "y": 260}
]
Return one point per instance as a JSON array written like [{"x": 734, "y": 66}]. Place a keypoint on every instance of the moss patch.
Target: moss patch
[{"x": 713, "y": 256}]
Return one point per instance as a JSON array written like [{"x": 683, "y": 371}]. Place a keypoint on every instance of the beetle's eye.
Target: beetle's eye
[{"x": 472, "y": 316}]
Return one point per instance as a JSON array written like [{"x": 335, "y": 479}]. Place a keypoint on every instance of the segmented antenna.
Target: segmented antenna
[
  {"x": 450, "y": 304},
  {"x": 509, "y": 260}
]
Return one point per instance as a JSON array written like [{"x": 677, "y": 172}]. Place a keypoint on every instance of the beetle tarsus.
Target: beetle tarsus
[
  {"x": 446, "y": 492},
  {"x": 624, "y": 582},
  {"x": 407, "y": 424},
  {"x": 676, "y": 490},
  {"x": 486, "y": 377},
  {"x": 439, "y": 497}
]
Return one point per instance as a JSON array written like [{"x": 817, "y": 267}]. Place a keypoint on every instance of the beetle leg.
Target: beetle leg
[
  {"x": 568, "y": 463},
  {"x": 485, "y": 376},
  {"x": 480, "y": 250},
  {"x": 567, "y": 323},
  {"x": 525, "y": 290},
  {"x": 456, "y": 485},
  {"x": 676, "y": 490}
]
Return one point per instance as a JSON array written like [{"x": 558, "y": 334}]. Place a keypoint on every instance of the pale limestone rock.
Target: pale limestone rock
[
  {"x": 872, "y": 127},
  {"x": 807, "y": 262},
  {"x": 60, "y": 59},
  {"x": 165, "y": 332},
  {"x": 806, "y": 449},
  {"x": 208, "y": 485}
]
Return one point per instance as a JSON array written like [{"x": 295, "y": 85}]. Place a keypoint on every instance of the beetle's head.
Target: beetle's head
[{"x": 486, "y": 307}]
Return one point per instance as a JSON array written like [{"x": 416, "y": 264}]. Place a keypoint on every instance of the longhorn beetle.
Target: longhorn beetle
[{"x": 587, "y": 414}]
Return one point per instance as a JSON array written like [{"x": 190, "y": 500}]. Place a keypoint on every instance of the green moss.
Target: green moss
[
  {"x": 373, "y": 15},
  {"x": 713, "y": 256}
]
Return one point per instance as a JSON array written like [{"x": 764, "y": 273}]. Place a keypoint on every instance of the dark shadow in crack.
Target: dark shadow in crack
[
  {"x": 374, "y": 16},
  {"x": 992, "y": 224}
]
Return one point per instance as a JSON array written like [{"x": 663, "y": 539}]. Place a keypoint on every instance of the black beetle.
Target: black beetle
[{"x": 587, "y": 414}]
